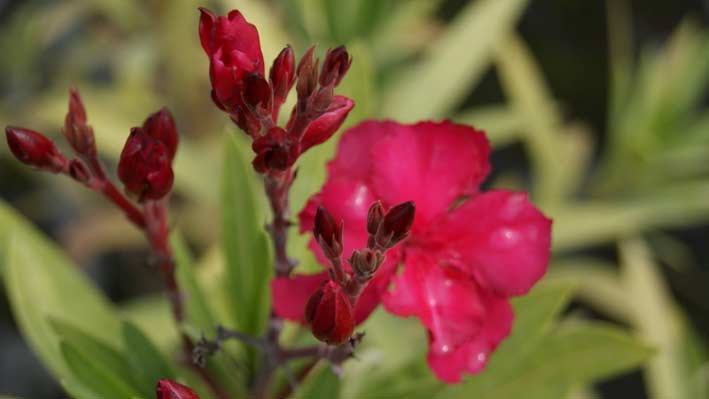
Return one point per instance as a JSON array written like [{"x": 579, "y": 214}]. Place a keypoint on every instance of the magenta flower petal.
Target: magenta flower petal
[
  {"x": 465, "y": 323},
  {"x": 353, "y": 157},
  {"x": 472, "y": 356},
  {"x": 431, "y": 164},
  {"x": 499, "y": 237},
  {"x": 289, "y": 295}
]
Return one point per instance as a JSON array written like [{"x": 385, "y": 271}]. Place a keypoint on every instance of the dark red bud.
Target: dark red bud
[
  {"x": 337, "y": 63},
  {"x": 76, "y": 107},
  {"x": 79, "y": 135},
  {"x": 307, "y": 74},
  {"x": 161, "y": 126},
  {"x": 33, "y": 148},
  {"x": 322, "y": 100},
  {"x": 273, "y": 151},
  {"x": 365, "y": 262},
  {"x": 322, "y": 128},
  {"x": 375, "y": 216},
  {"x": 144, "y": 166},
  {"x": 328, "y": 234},
  {"x": 282, "y": 74},
  {"x": 396, "y": 225},
  {"x": 167, "y": 389},
  {"x": 79, "y": 171},
  {"x": 329, "y": 314},
  {"x": 257, "y": 94}
]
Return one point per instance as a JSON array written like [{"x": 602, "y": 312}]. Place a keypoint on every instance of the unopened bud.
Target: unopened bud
[
  {"x": 33, "y": 148},
  {"x": 329, "y": 314},
  {"x": 282, "y": 74},
  {"x": 375, "y": 216},
  {"x": 79, "y": 171},
  {"x": 273, "y": 151},
  {"x": 161, "y": 126},
  {"x": 307, "y": 74},
  {"x": 396, "y": 224},
  {"x": 168, "y": 389},
  {"x": 337, "y": 63},
  {"x": 322, "y": 100},
  {"x": 79, "y": 135},
  {"x": 328, "y": 234},
  {"x": 144, "y": 167},
  {"x": 257, "y": 94},
  {"x": 365, "y": 262}
]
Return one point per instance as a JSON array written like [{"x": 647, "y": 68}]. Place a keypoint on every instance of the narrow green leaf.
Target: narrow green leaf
[
  {"x": 244, "y": 242},
  {"x": 597, "y": 222},
  {"x": 554, "y": 367},
  {"x": 321, "y": 383},
  {"x": 196, "y": 309},
  {"x": 100, "y": 379},
  {"x": 670, "y": 372},
  {"x": 144, "y": 358},
  {"x": 501, "y": 124},
  {"x": 433, "y": 87},
  {"x": 101, "y": 353},
  {"x": 40, "y": 283}
]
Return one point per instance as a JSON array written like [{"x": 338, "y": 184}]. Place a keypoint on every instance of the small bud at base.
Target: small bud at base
[
  {"x": 365, "y": 262},
  {"x": 329, "y": 314}
]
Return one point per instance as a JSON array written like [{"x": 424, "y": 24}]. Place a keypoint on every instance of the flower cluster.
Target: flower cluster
[
  {"x": 253, "y": 101},
  {"x": 145, "y": 165},
  {"x": 329, "y": 311},
  {"x": 467, "y": 252}
]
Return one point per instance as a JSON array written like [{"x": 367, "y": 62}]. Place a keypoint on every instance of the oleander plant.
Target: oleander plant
[{"x": 318, "y": 215}]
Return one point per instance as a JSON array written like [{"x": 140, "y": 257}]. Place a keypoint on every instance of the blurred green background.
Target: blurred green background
[{"x": 599, "y": 109}]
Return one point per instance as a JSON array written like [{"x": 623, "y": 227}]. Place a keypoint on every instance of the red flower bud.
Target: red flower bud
[
  {"x": 79, "y": 171},
  {"x": 144, "y": 167},
  {"x": 273, "y": 151},
  {"x": 282, "y": 74},
  {"x": 257, "y": 95},
  {"x": 329, "y": 314},
  {"x": 79, "y": 135},
  {"x": 396, "y": 225},
  {"x": 234, "y": 51},
  {"x": 365, "y": 262},
  {"x": 161, "y": 126},
  {"x": 326, "y": 124},
  {"x": 328, "y": 234},
  {"x": 168, "y": 389},
  {"x": 375, "y": 216},
  {"x": 337, "y": 63},
  {"x": 34, "y": 149},
  {"x": 307, "y": 74}
]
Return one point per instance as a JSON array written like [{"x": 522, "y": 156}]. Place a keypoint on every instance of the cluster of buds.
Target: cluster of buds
[
  {"x": 145, "y": 166},
  {"x": 330, "y": 309},
  {"x": 253, "y": 101}
]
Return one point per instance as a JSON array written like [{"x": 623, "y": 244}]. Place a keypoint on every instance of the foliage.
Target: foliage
[{"x": 651, "y": 175}]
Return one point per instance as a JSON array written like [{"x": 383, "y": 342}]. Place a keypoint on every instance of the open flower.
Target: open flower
[{"x": 467, "y": 253}]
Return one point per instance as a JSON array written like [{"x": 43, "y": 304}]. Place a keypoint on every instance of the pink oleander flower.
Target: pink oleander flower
[{"x": 468, "y": 251}]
